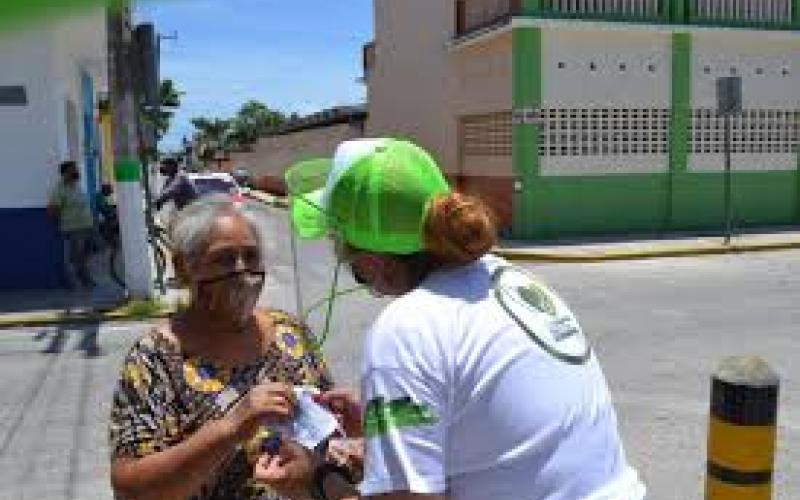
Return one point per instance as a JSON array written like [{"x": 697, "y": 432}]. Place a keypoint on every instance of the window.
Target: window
[
  {"x": 603, "y": 132},
  {"x": 769, "y": 131},
  {"x": 486, "y": 134},
  {"x": 13, "y": 95}
]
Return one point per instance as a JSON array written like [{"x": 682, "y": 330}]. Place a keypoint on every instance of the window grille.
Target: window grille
[
  {"x": 486, "y": 134},
  {"x": 604, "y": 132}
]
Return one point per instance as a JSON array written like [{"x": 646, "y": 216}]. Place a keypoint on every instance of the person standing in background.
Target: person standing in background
[{"x": 70, "y": 206}]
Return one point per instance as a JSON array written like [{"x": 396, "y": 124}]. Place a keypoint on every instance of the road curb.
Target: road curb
[{"x": 641, "y": 254}]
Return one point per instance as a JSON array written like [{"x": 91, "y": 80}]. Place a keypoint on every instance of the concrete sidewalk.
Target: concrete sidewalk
[
  {"x": 627, "y": 248},
  {"x": 105, "y": 302}
]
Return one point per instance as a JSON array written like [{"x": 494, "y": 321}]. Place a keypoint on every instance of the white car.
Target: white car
[{"x": 215, "y": 182}]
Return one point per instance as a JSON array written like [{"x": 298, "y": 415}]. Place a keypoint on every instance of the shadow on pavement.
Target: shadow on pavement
[{"x": 58, "y": 337}]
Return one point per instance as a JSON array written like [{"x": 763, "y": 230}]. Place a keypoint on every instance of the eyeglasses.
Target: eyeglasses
[{"x": 232, "y": 259}]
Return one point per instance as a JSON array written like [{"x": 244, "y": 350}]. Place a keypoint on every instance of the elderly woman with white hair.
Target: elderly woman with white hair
[{"x": 194, "y": 394}]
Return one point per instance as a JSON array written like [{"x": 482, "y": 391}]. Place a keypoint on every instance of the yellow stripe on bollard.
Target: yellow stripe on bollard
[
  {"x": 742, "y": 430},
  {"x": 741, "y": 447}
]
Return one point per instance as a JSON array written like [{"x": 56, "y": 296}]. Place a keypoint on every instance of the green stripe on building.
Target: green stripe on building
[
  {"x": 128, "y": 170},
  {"x": 681, "y": 101},
  {"x": 527, "y": 94}
]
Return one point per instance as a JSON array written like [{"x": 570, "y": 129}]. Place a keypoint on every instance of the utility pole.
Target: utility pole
[{"x": 127, "y": 168}]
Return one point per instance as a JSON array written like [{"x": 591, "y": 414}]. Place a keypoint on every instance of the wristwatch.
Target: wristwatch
[{"x": 321, "y": 474}]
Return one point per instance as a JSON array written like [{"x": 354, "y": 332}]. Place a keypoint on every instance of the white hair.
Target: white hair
[{"x": 191, "y": 229}]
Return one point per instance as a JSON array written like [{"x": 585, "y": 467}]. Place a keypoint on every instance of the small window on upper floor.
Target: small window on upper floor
[{"x": 13, "y": 95}]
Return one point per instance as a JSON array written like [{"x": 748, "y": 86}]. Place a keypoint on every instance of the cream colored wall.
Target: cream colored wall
[
  {"x": 272, "y": 155},
  {"x": 408, "y": 85},
  {"x": 481, "y": 82},
  {"x": 421, "y": 83}
]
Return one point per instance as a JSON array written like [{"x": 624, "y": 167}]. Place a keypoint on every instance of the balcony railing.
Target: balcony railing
[
  {"x": 758, "y": 12},
  {"x": 474, "y": 15}
]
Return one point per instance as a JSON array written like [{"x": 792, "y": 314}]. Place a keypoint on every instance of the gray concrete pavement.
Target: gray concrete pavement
[{"x": 658, "y": 326}]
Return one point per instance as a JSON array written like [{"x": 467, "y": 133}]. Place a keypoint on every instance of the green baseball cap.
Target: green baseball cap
[{"x": 373, "y": 194}]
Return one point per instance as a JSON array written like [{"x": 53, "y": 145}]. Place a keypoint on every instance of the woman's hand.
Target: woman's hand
[
  {"x": 289, "y": 472},
  {"x": 263, "y": 404},
  {"x": 346, "y": 408}
]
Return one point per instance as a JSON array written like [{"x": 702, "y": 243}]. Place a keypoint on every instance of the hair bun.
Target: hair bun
[{"x": 459, "y": 228}]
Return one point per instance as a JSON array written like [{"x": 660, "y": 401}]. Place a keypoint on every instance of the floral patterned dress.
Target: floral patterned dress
[{"x": 163, "y": 396}]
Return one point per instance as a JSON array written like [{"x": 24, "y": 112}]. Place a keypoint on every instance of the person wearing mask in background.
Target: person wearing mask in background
[
  {"x": 70, "y": 206},
  {"x": 177, "y": 187},
  {"x": 478, "y": 381}
]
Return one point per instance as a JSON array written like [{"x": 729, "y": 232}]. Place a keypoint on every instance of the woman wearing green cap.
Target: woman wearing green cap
[{"x": 477, "y": 380}]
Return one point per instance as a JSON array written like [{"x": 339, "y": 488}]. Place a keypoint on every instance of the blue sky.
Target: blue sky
[{"x": 293, "y": 55}]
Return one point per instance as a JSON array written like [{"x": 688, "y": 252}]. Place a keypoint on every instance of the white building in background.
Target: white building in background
[{"x": 51, "y": 81}]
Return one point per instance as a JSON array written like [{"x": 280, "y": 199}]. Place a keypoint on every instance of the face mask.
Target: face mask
[{"x": 232, "y": 295}]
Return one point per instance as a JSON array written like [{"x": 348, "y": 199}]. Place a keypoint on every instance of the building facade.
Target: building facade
[
  {"x": 50, "y": 87},
  {"x": 597, "y": 116}
]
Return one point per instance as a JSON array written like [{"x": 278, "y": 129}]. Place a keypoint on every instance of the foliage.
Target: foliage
[{"x": 253, "y": 120}]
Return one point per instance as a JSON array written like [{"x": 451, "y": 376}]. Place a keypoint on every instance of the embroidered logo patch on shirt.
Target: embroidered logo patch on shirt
[
  {"x": 541, "y": 314},
  {"x": 381, "y": 416}
]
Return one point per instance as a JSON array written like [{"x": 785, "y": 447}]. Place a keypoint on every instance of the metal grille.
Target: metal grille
[
  {"x": 604, "y": 132},
  {"x": 769, "y": 131},
  {"x": 634, "y": 8},
  {"x": 486, "y": 134},
  {"x": 759, "y": 11}
]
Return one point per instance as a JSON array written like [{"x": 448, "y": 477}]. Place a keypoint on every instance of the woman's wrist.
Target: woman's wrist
[{"x": 227, "y": 429}]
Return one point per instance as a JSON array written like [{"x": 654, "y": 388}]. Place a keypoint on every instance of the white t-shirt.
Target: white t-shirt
[{"x": 480, "y": 384}]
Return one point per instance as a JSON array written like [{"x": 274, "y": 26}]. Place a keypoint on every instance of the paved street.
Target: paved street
[{"x": 659, "y": 327}]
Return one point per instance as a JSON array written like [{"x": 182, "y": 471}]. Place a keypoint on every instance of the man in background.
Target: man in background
[{"x": 70, "y": 206}]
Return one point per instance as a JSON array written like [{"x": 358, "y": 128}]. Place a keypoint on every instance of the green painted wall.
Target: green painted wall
[
  {"x": 759, "y": 198},
  {"x": 533, "y": 6},
  {"x": 678, "y": 11},
  {"x": 597, "y": 205},
  {"x": 527, "y": 93},
  {"x": 681, "y": 114},
  {"x": 796, "y": 14},
  {"x": 635, "y": 203}
]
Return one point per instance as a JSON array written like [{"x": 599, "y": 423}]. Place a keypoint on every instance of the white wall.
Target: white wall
[
  {"x": 769, "y": 65},
  {"x": 591, "y": 69},
  {"x": 29, "y": 149},
  {"x": 34, "y": 138}
]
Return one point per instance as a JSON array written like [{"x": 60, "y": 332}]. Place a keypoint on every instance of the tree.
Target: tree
[
  {"x": 210, "y": 135},
  {"x": 253, "y": 120},
  {"x": 170, "y": 99}
]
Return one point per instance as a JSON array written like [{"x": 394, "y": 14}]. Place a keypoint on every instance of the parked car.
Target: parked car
[{"x": 215, "y": 182}]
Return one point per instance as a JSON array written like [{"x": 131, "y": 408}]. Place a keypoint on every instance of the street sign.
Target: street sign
[{"x": 729, "y": 95}]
